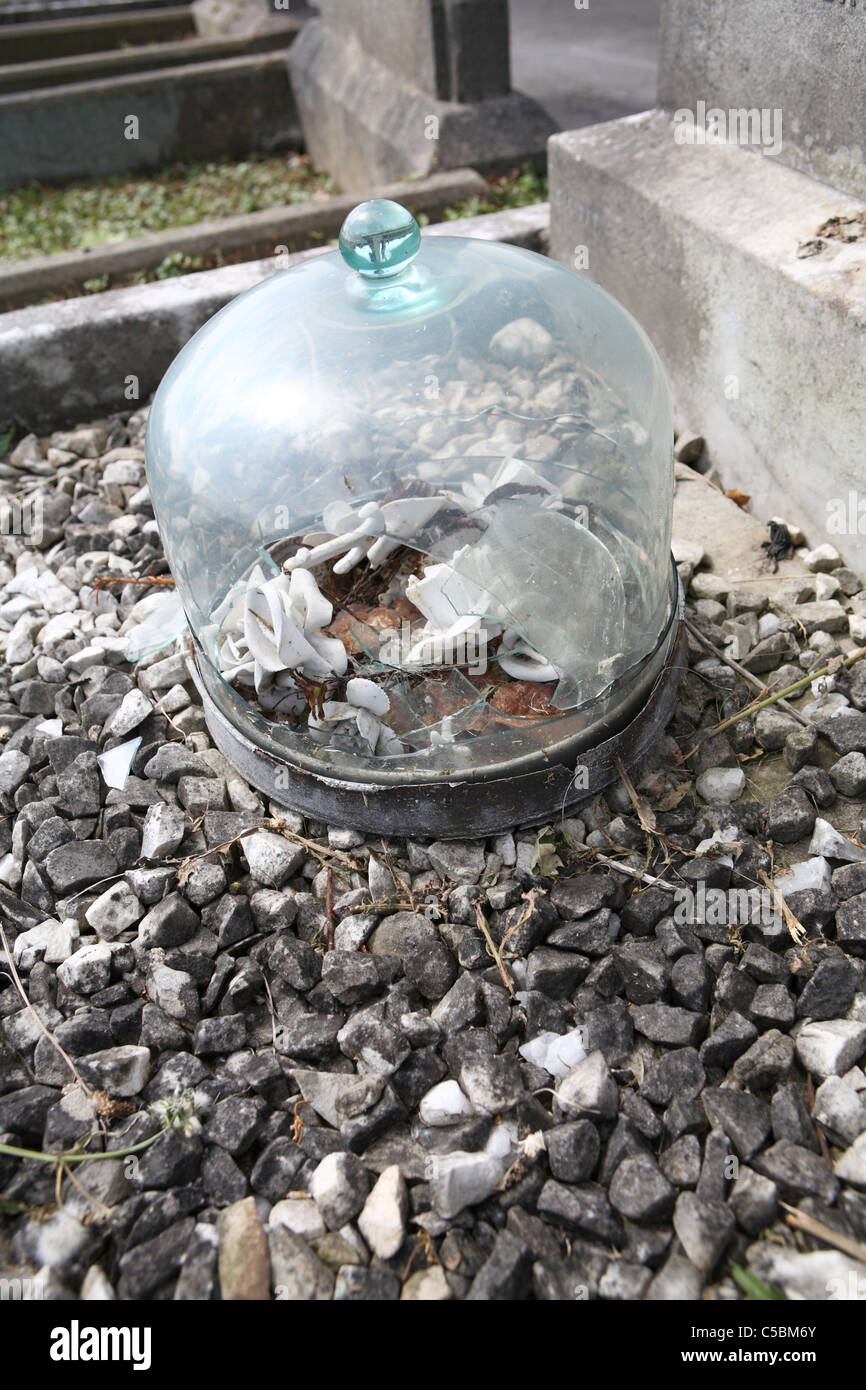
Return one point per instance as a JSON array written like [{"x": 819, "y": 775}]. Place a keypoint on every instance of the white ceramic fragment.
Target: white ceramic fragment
[
  {"x": 522, "y": 662},
  {"x": 273, "y": 630},
  {"x": 372, "y": 530},
  {"x": 116, "y": 762}
]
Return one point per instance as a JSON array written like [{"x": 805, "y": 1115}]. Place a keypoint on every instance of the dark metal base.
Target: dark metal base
[{"x": 453, "y": 810}]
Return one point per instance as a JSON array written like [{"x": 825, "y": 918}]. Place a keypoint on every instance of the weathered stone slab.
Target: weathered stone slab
[
  {"x": 701, "y": 244},
  {"x": 804, "y": 59}
]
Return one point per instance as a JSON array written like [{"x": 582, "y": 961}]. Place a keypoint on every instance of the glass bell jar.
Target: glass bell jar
[{"x": 416, "y": 498}]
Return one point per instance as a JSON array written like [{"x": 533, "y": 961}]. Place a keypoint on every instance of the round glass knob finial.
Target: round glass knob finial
[{"x": 379, "y": 238}]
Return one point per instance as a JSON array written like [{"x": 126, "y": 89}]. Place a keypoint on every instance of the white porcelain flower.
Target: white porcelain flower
[
  {"x": 457, "y": 613},
  {"x": 365, "y": 705},
  {"x": 275, "y": 631},
  {"x": 522, "y": 662},
  {"x": 373, "y": 531}
]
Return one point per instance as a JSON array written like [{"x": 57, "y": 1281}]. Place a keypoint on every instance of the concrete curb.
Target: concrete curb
[
  {"x": 63, "y": 363},
  {"x": 254, "y": 233}
]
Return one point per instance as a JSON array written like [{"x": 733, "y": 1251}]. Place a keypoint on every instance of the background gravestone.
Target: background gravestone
[
  {"x": 748, "y": 275},
  {"x": 389, "y": 91},
  {"x": 217, "y": 19},
  {"x": 806, "y": 59}
]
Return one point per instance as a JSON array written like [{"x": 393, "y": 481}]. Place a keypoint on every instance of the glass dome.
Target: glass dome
[{"x": 416, "y": 499}]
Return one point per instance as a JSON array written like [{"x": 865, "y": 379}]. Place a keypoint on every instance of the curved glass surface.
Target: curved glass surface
[{"x": 495, "y": 433}]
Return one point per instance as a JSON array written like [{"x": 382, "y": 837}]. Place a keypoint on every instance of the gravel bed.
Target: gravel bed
[{"x": 521, "y": 1073}]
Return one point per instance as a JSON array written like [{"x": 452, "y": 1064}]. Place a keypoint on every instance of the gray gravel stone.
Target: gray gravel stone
[
  {"x": 461, "y": 861},
  {"x": 744, "y": 1117},
  {"x": 663, "y": 1023},
  {"x": 78, "y": 864},
  {"x": 640, "y": 1191},
  {"x": 754, "y": 1201},
  {"x": 588, "y": 1089},
  {"x": 797, "y": 1172},
  {"x": 163, "y": 831},
  {"x": 705, "y": 1229},
  {"x": 848, "y": 775},
  {"x": 170, "y": 922},
  {"x": 121, "y": 1071},
  {"x": 766, "y": 1063}
]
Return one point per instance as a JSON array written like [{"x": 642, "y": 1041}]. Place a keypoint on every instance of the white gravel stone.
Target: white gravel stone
[
  {"x": 57, "y": 629},
  {"x": 687, "y": 552},
  {"x": 721, "y": 784},
  {"x": 588, "y": 1089},
  {"x": 768, "y": 623},
  {"x": 857, "y": 628},
  {"x": 459, "y": 1180},
  {"x": 19, "y": 643},
  {"x": 114, "y": 911},
  {"x": 382, "y": 1222},
  {"x": 426, "y": 1286},
  {"x": 14, "y": 767},
  {"x": 273, "y": 859},
  {"x": 336, "y": 1190},
  {"x": 46, "y": 589},
  {"x": 125, "y": 472},
  {"x": 827, "y": 841},
  {"x": 173, "y": 991},
  {"x": 807, "y": 874},
  {"x": 87, "y": 970},
  {"x": 132, "y": 711},
  {"x": 95, "y": 1287},
  {"x": 839, "y": 1109},
  {"x": 445, "y": 1104},
  {"x": 298, "y": 1214},
  {"x": 558, "y": 1053},
  {"x": 831, "y": 1047},
  {"x": 826, "y": 706},
  {"x": 822, "y": 559},
  {"x": 323, "y": 1089},
  {"x": 354, "y": 930},
  {"x": 851, "y": 1167},
  {"x": 343, "y": 837},
  {"x": 174, "y": 699},
  {"x": 826, "y": 586},
  {"x": 523, "y": 342},
  {"x": 163, "y": 831},
  {"x": 31, "y": 945}
]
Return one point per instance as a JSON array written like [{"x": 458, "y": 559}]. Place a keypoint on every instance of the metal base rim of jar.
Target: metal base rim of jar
[{"x": 453, "y": 809}]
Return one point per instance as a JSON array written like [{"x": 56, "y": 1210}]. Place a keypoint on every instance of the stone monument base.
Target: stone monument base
[
  {"x": 366, "y": 125},
  {"x": 764, "y": 347}
]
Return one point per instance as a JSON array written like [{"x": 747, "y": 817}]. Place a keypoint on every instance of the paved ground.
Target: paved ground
[{"x": 587, "y": 65}]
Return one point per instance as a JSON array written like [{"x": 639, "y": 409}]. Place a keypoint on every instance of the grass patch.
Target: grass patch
[
  {"x": 39, "y": 220},
  {"x": 515, "y": 190}
]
